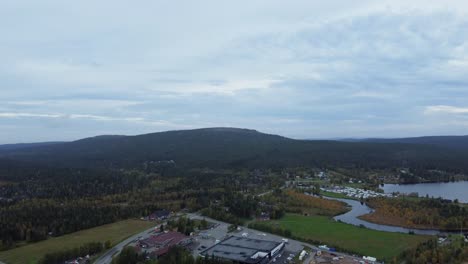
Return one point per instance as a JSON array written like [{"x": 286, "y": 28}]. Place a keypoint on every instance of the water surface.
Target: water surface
[
  {"x": 446, "y": 190},
  {"x": 359, "y": 209}
]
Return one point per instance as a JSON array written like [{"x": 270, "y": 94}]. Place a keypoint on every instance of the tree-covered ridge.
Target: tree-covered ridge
[{"x": 236, "y": 148}]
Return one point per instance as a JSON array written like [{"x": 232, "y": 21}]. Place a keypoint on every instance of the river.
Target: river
[
  {"x": 359, "y": 209},
  {"x": 446, "y": 190}
]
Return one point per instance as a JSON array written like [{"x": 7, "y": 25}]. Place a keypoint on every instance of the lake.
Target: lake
[{"x": 446, "y": 190}]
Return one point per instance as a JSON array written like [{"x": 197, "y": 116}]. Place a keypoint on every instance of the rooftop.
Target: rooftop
[
  {"x": 164, "y": 239},
  {"x": 241, "y": 249}
]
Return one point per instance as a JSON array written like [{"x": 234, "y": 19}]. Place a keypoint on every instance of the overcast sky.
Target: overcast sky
[{"x": 303, "y": 69}]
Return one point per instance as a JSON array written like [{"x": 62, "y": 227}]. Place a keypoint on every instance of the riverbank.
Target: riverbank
[
  {"x": 398, "y": 222},
  {"x": 423, "y": 214},
  {"x": 359, "y": 209}
]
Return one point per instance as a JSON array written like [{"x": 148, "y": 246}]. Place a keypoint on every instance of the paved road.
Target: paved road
[
  {"x": 270, "y": 191},
  {"x": 106, "y": 258}
]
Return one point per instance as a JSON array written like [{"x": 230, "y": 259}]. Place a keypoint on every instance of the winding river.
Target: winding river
[{"x": 359, "y": 209}]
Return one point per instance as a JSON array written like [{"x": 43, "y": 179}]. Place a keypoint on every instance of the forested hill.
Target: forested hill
[
  {"x": 454, "y": 142},
  {"x": 232, "y": 147},
  {"x": 8, "y": 147}
]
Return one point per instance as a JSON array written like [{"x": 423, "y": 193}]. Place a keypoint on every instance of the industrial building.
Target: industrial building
[{"x": 245, "y": 250}]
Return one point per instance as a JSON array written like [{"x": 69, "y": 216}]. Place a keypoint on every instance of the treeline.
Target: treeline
[
  {"x": 88, "y": 249},
  {"x": 69, "y": 184},
  {"x": 221, "y": 214},
  {"x": 125, "y": 194},
  {"x": 431, "y": 251},
  {"x": 421, "y": 213},
  {"x": 270, "y": 229},
  {"x": 235, "y": 208},
  {"x": 186, "y": 225},
  {"x": 232, "y": 207},
  {"x": 175, "y": 255},
  {"x": 37, "y": 219}
]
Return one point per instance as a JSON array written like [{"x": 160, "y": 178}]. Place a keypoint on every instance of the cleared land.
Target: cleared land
[
  {"x": 383, "y": 245},
  {"x": 114, "y": 232}
]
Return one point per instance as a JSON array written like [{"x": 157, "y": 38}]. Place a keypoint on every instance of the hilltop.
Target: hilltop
[{"x": 234, "y": 147}]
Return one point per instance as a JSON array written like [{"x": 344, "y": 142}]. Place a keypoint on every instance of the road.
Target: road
[
  {"x": 270, "y": 191},
  {"x": 293, "y": 245},
  {"x": 106, "y": 258}
]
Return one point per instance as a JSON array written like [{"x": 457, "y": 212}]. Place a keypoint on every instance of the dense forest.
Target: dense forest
[
  {"x": 60, "y": 201},
  {"x": 235, "y": 148}
]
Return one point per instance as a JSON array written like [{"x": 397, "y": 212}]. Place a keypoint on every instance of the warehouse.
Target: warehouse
[{"x": 245, "y": 250}]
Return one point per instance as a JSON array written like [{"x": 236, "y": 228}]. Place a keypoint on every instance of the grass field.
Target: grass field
[
  {"x": 383, "y": 245},
  {"x": 336, "y": 195},
  {"x": 114, "y": 232}
]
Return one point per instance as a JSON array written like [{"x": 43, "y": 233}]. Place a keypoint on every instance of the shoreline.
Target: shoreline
[
  {"x": 362, "y": 217},
  {"x": 357, "y": 209}
]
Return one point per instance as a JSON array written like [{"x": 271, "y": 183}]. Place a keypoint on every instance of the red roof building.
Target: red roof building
[{"x": 158, "y": 245}]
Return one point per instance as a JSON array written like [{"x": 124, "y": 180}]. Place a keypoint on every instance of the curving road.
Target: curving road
[{"x": 106, "y": 258}]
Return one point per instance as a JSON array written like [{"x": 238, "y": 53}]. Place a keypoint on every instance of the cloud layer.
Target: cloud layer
[{"x": 303, "y": 69}]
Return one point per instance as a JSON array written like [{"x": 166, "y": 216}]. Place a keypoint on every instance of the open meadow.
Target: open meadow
[
  {"x": 383, "y": 245},
  {"x": 115, "y": 232}
]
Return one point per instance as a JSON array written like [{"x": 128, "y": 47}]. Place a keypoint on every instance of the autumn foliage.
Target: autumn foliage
[
  {"x": 424, "y": 213},
  {"x": 298, "y": 202}
]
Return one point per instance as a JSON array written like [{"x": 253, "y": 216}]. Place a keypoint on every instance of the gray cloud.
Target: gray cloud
[{"x": 303, "y": 69}]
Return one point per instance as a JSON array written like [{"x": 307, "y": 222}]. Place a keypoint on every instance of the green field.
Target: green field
[
  {"x": 114, "y": 232},
  {"x": 383, "y": 245},
  {"x": 336, "y": 195}
]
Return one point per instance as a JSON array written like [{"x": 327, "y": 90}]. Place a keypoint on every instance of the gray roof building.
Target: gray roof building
[{"x": 245, "y": 250}]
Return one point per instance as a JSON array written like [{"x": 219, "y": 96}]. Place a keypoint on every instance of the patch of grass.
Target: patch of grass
[
  {"x": 114, "y": 232},
  {"x": 383, "y": 245},
  {"x": 336, "y": 195}
]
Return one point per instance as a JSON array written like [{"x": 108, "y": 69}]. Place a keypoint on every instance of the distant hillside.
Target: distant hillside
[
  {"x": 233, "y": 147},
  {"x": 8, "y": 147},
  {"x": 454, "y": 142}
]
